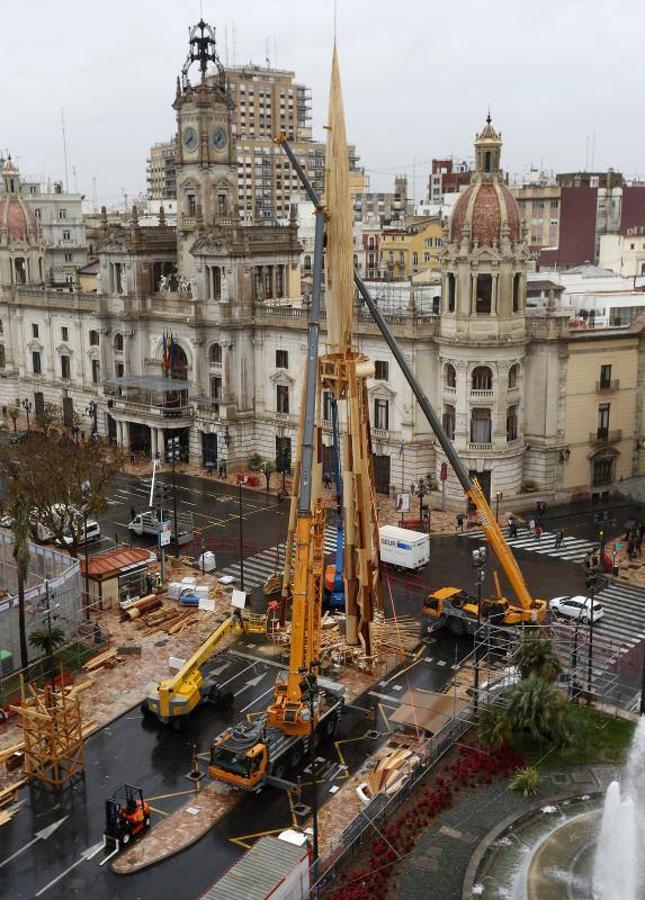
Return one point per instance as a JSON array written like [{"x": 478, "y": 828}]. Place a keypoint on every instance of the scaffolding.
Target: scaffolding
[{"x": 52, "y": 728}]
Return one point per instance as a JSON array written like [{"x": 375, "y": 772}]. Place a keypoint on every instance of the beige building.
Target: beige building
[
  {"x": 539, "y": 207},
  {"x": 624, "y": 254}
]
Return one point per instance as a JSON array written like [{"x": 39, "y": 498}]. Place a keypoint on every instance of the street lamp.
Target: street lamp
[
  {"x": 173, "y": 451},
  {"x": 309, "y": 689},
  {"x": 92, "y": 411},
  {"x": 498, "y": 496},
  {"x": 421, "y": 488},
  {"x": 27, "y": 406},
  {"x": 479, "y": 561},
  {"x": 241, "y": 538}
]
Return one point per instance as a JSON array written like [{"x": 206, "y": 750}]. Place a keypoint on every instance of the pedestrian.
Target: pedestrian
[
  {"x": 559, "y": 538},
  {"x": 629, "y": 525},
  {"x": 513, "y": 529},
  {"x": 460, "y": 522},
  {"x": 133, "y": 458},
  {"x": 538, "y": 531},
  {"x": 532, "y": 526},
  {"x": 587, "y": 560},
  {"x": 133, "y": 513},
  {"x": 594, "y": 559},
  {"x": 224, "y": 469},
  {"x": 510, "y": 525}
]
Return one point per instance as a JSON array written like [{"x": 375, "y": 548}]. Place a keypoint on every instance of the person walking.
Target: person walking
[
  {"x": 460, "y": 522},
  {"x": 513, "y": 529},
  {"x": 510, "y": 526},
  {"x": 532, "y": 526},
  {"x": 538, "y": 531},
  {"x": 559, "y": 538},
  {"x": 133, "y": 513}
]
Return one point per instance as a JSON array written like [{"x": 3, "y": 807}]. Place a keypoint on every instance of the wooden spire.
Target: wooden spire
[{"x": 340, "y": 262}]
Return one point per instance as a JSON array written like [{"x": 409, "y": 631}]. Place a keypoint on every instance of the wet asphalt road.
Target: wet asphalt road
[{"x": 135, "y": 750}]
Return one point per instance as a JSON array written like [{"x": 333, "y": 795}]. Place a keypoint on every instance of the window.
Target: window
[
  {"x": 381, "y": 414},
  {"x": 38, "y": 214},
  {"x": 3, "y": 358},
  {"x": 96, "y": 371},
  {"x": 306, "y": 264},
  {"x": 68, "y": 257},
  {"x": 118, "y": 343},
  {"x": 451, "y": 292},
  {"x": 35, "y": 362},
  {"x": 513, "y": 374},
  {"x": 517, "y": 284},
  {"x": 482, "y": 379},
  {"x": 216, "y": 388},
  {"x": 119, "y": 370},
  {"x": 191, "y": 205},
  {"x": 483, "y": 303},
  {"x": 449, "y": 420},
  {"x": 415, "y": 259},
  {"x": 66, "y": 235},
  {"x": 480, "y": 426},
  {"x": 282, "y": 359},
  {"x": 34, "y": 330},
  {"x": 279, "y": 281},
  {"x": 326, "y": 406},
  {"x": 450, "y": 375},
  {"x": 282, "y": 398},
  {"x": 215, "y": 354},
  {"x": 65, "y": 368},
  {"x": 221, "y": 205},
  {"x": 64, "y": 333},
  {"x": 603, "y": 421},
  {"x": 603, "y": 471},
  {"x": 605, "y": 377},
  {"x": 94, "y": 338},
  {"x": 62, "y": 213},
  {"x": 381, "y": 369},
  {"x": 511, "y": 423}
]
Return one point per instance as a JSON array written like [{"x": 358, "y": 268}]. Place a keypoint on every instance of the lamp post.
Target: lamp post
[
  {"x": 241, "y": 539},
  {"x": 479, "y": 561},
  {"x": 27, "y": 406},
  {"x": 310, "y": 690},
  {"x": 172, "y": 455},
  {"x": 498, "y": 496},
  {"x": 92, "y": 411},
  {"x": 421, "y": 488}
]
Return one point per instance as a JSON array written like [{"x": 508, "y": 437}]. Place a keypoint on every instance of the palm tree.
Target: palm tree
[
  {"x": 21, "y": 556},
  {"x": 47, "y": 639},
  {"x": 535, "y": 656},
  {"x": 494, "y": 726},
  {"x": 537, "y": 707}
]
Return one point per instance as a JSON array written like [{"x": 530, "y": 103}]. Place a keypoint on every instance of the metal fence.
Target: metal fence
[{"x": 53, "y": 600}]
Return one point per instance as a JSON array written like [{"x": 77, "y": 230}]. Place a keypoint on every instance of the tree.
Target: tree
[
  {"x": 48, "y": 639},
  {"x": 534, "y": 706},
  {"x": 51, "y": 415},
  {"x": 20, "y": 514},
  {"x": 535, "y": 656},
  {"x": 267, "y": 468},
  {"x": 494, "y": 726},
  {"x": 63, "y": 481},
  {"x": 14, "y": 412}
]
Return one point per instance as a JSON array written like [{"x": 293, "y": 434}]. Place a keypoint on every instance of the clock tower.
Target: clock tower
[{"x": 205, "y": 154}]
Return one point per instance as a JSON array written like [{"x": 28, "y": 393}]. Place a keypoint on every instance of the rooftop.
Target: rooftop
[{"x": 111, "y": 562}]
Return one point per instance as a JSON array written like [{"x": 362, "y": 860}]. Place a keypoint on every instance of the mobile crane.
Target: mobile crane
[
  {"x": 174, "y": 698},
  {"x": 452, "y": 603},
  {"x": 253, "y": 754}
]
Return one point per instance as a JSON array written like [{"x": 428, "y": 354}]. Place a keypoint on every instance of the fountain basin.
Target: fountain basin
[{"x": 562, "y": 865}]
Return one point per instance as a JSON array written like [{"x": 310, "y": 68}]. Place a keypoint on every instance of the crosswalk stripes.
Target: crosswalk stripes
[
  {"x": 624, "y": 612},
  {"x": 572, "y": 549},
  {"x": 260, "y": 566}
]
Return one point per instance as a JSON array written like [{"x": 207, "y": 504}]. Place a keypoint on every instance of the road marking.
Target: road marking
[
  {"x": 249, "y": 705},
  {"x": 87, "y": 854},
  {"x": 384, "y": 697},
  {"x": 252, "y": 682},
  {"x": 41, "y": 835},
  {"x": 242, "y": 840}
]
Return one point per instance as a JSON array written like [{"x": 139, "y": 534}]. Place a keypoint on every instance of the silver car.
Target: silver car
[{"x": 577, "y": 608}]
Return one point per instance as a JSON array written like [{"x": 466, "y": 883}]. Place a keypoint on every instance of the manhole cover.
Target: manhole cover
[{"x": 301, "y": 809}]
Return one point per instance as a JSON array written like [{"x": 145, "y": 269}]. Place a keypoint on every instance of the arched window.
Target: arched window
[
  {"x": 1, "y": 327},
  {"x": 480, "y": 426},
  {"x": 94, "y": 338},
  {"x": 215, "y": 354},
  {"x": 450, "y": 375},
  {"x": 513, "y": 376},
  {"x": 451, "y": 292},
  {"x": 517, "y": 285},
  {"x": 306, "y": 265},
  {"x": 482, "y": 379},
  {"x": 3, "y": 359},
  {"x": 118, "y": 343}
]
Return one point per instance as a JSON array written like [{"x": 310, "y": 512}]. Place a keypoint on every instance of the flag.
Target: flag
[{"x": 164, "y": 351}]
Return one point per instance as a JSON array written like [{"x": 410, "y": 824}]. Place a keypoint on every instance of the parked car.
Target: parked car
[
  {"x": 7, "y": 521},
  {"x": 577, "y": 608},
  {"x": 93, "y": 533}
]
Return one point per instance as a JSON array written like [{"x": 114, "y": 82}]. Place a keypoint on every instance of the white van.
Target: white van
[
  {"x": 404, "y": 549},
  {"x": 93, "y": 533},
  {"x": 147, "y": 522}
]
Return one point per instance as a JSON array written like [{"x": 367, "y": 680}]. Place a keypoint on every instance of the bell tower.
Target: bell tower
[{"x": 205, "y": 154}]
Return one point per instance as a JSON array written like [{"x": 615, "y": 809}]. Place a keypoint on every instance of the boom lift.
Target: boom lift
[
  {"x": 524, "y": 608},
  {"x": 252, "y": 754},
  {"x": 174, "y": 698}
]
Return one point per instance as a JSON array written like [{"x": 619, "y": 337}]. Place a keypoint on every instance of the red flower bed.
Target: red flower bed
[{"x": 473, "y": 766}]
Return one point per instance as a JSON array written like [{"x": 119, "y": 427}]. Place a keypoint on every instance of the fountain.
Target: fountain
[
  {"x": 581, "y": 848},
  {"x": 618, "y": 872}
]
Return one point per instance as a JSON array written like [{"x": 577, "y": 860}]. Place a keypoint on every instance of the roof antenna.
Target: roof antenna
[
  {"x": 488, "y": 117},
  {"x": 335, "y": 19}
]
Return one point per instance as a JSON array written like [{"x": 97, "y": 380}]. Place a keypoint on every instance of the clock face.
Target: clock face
[
  {"x": 190, "y": 139},
  {"x": 219, "y": 139}
]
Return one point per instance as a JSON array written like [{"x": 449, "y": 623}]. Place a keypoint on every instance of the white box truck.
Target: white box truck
[{"x": 404, "y": 549}]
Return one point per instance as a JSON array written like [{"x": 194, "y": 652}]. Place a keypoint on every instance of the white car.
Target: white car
[
  {"x": 93, "y": 534},
  {"x": 577, "y": 608}
]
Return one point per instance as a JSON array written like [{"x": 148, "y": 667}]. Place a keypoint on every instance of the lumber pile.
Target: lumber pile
[
  {"x": 391, "y": 771},
  {"x": 400, "y": 635},
  {"x": 108, "y": 658},
  {"x": 171, "y": 621}
]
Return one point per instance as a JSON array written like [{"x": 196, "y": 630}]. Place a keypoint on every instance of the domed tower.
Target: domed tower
[
  {"x": 21, "y": 246},
  {"x": 482, "y": 325}
]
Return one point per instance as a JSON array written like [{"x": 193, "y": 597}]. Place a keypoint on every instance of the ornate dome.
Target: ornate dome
[
  {"x": 487, "y": 208},
  {"x": 17, "y": 221}
]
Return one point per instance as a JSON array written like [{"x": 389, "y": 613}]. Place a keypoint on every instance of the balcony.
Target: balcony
[
  {"x": 481, "y": 394},
  {"x": 479, "y": 446},
  {"x": 450, "y": 389},
  {"x": 607, "y": 387},
  {"x": 215, "y": 368},
  {"x": 169, "y": 416},
  {"x": 605, "y": 436}
]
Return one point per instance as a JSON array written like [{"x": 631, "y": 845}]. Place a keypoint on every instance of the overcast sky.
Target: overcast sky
[{"x": 418, "y": 78}]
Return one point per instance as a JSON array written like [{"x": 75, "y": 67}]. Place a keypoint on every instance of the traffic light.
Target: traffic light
[{"x": 591, "y": 582}]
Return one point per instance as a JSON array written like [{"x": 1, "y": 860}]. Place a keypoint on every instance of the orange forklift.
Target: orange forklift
[{"x": 127, "y": 815}]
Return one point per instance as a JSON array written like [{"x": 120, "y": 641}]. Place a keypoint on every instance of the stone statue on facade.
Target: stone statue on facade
[
  {"x": 193, "y": 288},
  {"x": 98, "y": 282},
  {"x": 184, "y": 285},
  {"x": 164, "y": 284}
]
